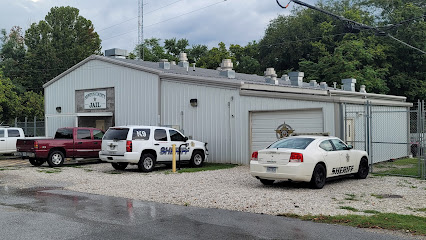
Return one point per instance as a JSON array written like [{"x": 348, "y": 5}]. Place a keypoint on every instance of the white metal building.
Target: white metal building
[{"x": 235, "y": 113}]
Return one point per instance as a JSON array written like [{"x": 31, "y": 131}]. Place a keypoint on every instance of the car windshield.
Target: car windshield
[
  {"x": 293, "y": 143},
  {"x": 116, "y": 134}
]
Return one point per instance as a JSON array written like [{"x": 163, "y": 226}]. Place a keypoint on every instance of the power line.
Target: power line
[
  {"x": 124, "y": 33},
  {"x": 130, "y": 19}
]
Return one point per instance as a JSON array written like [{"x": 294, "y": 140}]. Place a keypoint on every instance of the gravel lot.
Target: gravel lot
[{"x": 232, "y": 189}]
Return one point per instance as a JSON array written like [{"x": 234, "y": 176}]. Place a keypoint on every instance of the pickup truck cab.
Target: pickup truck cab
[
  {"x": 8, "y": 137},
  {"x": 148, "y": 145},
  {"x": 77, "y": 142}
]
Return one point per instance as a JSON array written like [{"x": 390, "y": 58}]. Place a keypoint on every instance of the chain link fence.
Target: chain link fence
[
  {"x": 34, "y": 128},
  {"x": 392, "y": 136}
]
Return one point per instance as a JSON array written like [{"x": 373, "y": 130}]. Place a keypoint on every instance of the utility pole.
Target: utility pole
[{"x": 140, "y": 27}]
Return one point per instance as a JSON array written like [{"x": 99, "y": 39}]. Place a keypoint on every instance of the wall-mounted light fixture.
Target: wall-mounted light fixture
[
  {"x": 193, "y": 102},
  {"x": 59, "y": 109}
]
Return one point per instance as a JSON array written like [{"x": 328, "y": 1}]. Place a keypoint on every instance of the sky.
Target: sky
[{"x": 207, "y": 22}]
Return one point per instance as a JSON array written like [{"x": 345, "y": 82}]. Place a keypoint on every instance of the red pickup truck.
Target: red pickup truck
[{"x": 77, "y": 142}]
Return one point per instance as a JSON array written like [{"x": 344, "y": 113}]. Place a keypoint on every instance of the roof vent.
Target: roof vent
[
  {"x": 285, "y": 78},
  {"x": 296, "y": 78},
  {"x": 271, "y": 76},
  {"x": 183, "y": 60},
  {"x": 362, "y": 89},
  {"x": 173, "y": 63},
  {"x": 349, "y": 84},
  {"x": 313, "y": 83},
  {"x": 164, "y": 64},
  {"x": 323, "y": 85},
  {"x": 116, "y": 53},
  {"x": 226, "y": 68}
]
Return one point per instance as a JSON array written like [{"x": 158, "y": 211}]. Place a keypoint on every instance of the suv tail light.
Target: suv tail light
[
  {"x": 254, "y": 156},
  {"x": 128, "y": 146},
  {"x": 35, "y": 145},
  {"x": 296, "y": 157}
]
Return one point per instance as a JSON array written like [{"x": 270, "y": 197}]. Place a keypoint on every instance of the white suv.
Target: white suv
[
  {"x": 8, "y": 137},
  {"x": 148, "y": 145}
]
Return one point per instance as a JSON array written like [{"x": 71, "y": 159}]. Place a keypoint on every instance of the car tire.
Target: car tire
[
  {"x": 197, "y": 159},
  {"x": 318, "y": 177},
  {"x": 56, "y": 159},
  {"x": 146, "y": 163},
  {"x": 36, "y": 162},
  {"x": 363, "y": 169},
  {"x": 120, "y": 165},
  {"x": 267, "y": 182}
]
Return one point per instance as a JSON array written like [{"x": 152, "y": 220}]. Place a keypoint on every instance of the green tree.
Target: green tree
[
  {"x": 246, "y": 58},
  {"x": 214, "y": 57},
  {"x": 196, "y": 52},
  {"x": 55, "y": 44},
  {"x": 151, "y": 50},
  {"x": 174, "y": 47},
  {"x": 9, "y": 100},
  {"x": 12, "y": 54}
]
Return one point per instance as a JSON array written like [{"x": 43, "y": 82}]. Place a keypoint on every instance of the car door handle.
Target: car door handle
[
  {"x": 80, "y": 143},
  {"x": 95, "y": 142},
  {"x": 156, "y": 144}
]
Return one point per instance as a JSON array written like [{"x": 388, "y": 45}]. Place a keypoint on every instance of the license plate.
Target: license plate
[{"x": 271, "y": 169}]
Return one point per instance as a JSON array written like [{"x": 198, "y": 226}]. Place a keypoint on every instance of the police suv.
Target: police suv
[{"x": 148, "y": 145}]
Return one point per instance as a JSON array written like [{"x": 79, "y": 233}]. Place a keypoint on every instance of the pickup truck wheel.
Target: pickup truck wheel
[
  {"x": 146, "y": 163},
  {"x": 56, "y": 159},
  {"x": 36, "y": 162},
  {"x": 197, "y": 159},
  {"x": 120, "y": 165},
  {"x": 318, "y": 177}
]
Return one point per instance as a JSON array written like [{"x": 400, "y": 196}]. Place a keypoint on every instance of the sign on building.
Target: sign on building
[{"x": 95, "y": 100}]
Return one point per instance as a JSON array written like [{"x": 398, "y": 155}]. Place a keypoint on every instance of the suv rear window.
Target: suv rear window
[
  {"x": 293, "y": 143},
  {"x": 116, "y": 134}
]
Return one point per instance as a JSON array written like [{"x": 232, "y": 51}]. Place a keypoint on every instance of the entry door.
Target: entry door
[
  {"x": 350, "y": 131},
  {"x": 100, "y": 124}
]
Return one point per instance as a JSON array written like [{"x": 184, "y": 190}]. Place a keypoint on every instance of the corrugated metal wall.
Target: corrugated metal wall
[
  {"x": 222, "y": 116},
  {"x": 136, "y": 94}
]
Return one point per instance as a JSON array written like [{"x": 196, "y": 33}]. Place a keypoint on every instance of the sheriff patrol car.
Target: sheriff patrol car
[
  {"x": 308, "y": 159},
  {"x": 148, "y": 145}
]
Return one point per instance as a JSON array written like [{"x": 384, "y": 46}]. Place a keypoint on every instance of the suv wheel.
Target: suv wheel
[
  {"x": 146, "y": 163},
  {"x": 56, "y": 159},
  {"x": 197, "y": 158}
]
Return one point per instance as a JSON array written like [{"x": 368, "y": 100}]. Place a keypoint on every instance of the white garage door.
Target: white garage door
[{"x": 264, "y": 124}]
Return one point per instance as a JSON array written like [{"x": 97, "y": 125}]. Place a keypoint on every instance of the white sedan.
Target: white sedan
[{"x": 308, "y": 159}]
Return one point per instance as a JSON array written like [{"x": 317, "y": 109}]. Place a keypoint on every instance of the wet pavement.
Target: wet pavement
[{"x": 54, "y": 213}]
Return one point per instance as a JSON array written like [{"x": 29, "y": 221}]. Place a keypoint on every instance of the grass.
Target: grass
[
  {"x": 377, "y": 196},
  {"x": 51, "y": 170},
  {"x": 403, "y": 166},
  {"x": 8, "y": 168},
  {"x": 206, "y": 167},
  {"x": 351, "y": 197},
  {"x": 390, "y": 221},
  {"x": 349, "y": 208}
]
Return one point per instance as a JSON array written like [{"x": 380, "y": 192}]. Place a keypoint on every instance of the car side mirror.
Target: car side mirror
[
  {"x": 186, "y": 139},
  {"x": 350, "y": 147}
]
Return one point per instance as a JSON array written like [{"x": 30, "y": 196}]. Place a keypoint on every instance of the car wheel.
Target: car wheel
[
  {"x": 318, "y": 177},
  {"x": 363, "y": 169},
  {"x": 146, "y": 163},
  {"x": 197, "y": 159},
  {"x": 56, "y": 159},
  {"x": 267, "y": 182},
  {"x": 120, "y": 165},
  {"x": 36, "y": 162}
]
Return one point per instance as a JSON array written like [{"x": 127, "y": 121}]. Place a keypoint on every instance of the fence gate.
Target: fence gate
[
  {"x": 392, "y": 136},
  {"x": 33, "y": 128}
]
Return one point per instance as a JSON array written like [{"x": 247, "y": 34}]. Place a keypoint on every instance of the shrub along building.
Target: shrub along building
[{"x": 235, "y": 113}]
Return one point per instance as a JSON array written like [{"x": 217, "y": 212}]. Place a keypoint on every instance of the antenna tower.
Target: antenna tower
[{"x": 140, "y": 25}]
